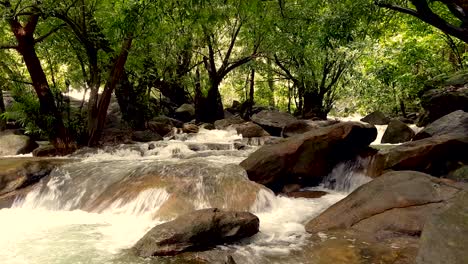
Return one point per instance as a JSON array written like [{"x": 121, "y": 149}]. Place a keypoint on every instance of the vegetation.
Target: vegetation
[{"x": 308, "y": 57}]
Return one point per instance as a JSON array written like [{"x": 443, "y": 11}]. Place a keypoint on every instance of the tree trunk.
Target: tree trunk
[
  {"x": 114, "y": 77},
  {"x": 210, "y": 107},
  {"x": 59, "y": 135},
  {"x": 2, "y": 110},
  {"x": 313, "y": 106},
  {"x": 271, "y": 83}
]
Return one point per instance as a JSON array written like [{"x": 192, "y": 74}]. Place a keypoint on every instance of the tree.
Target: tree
[
  {"x": 455, "y": 23},
  {"x": 25, "y": 45}
]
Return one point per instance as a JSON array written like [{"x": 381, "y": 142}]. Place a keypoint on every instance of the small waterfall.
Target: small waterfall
[{"x": 348, "y": 176}]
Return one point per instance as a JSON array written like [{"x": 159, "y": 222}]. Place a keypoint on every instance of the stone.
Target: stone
[
  {"x": 225, "y": 123},
  {"x": 197, "y": 231},
  {"x": 273, "y": 121},
  {"x": 376, "y": 118},
  {"x": 160, "y": 127},
  {"x": 440, "y": 102},
  {"x": 437, "y": 156},
  {"x": 445, "y": 235},
  {"x": 45, "y": 151},
  {"x": 397, "y": 203},
  {"x": 250, "y": 130},
  {"x": 146, "y": 136},
  {"x": 17, "y": 173},
  {"x": 397, "y": 132},
  {"x": 307, "y": 158},
  {"x": 168, "y": 121},
  {"x": 190, "y": 128},
  {"x": 306, "y": 194},
  {"x": 185, "y": 112},
  {"x": 453, "y": 123},
  {"x": 13, "y": 144},
  {"x": 303, "y": 126}
]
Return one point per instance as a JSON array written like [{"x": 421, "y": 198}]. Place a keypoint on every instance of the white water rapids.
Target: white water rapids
[{"x": 46, "y": 227}]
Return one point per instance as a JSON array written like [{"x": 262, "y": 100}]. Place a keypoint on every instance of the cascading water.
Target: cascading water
[{"x": 93, "y": 210}]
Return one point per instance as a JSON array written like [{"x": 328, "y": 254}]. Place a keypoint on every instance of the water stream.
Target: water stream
[{"x": 93, "y": 210}]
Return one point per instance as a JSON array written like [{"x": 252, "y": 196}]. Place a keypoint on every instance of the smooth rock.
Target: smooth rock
[
  {"x": 13, "y": 144},
  {"x": 376, "y": 118},
  {"x": 445, "y": 235},
  {"x": 440, "y": 102},
  {"x": 273, "y": 121},
  {"x": 185, "y": 112},
  {"x": 397, "y": 132},
  {"x": 197, "y": 231},
  {"x": 453, "y": 123},
  {"x": 250, "y": 130},
  {"x": 146, "y": 136},
  {"x": 307, "y": 158},
  {"x": 395, "y": 203}
]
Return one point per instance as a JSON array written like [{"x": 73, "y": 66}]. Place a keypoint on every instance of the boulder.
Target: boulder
[
  {"x": 17, "y": 173},
  {"x": 397, "y": 203},
  {"x": 197, "y": 231},
  {"x": 445, "y": 235},
  {"x": 437, "y": 156},
  {"x": 397, "y": 132},
  {"x": 250, "y": 130},
  {"x": 453, "y": 123},
  {"x": 115, "y": 136},
  {"x": 440, "y": 102},
  {"x": 307, "y": 158},
  {"x": 45, "y": 151},
  {"x": 190, "y": 128},
  {"x": 13, "y": 144},
  {"x": 376, "y": 118},
  {"x": 306, "y": 194},
  {"x": 168, "y": 121},
  {"x": 176, "y": 187},
  {"x": 146, "y": 136},
  {"x": 185, "y": 112},
  {"x": 273, "y": 121},
  {"x": 225, "y": 123},
  {"x": 160, "y": 127},
  {"x": 303, "y": 126}
]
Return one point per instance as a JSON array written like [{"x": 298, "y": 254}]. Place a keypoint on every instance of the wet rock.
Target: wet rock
[
  {"x": 250, "y": 130},
  {"x": 437, "y": 156},
  {"x": 440, "y": 102},
  {"x": 273, "y": 121},
  {"x": 17, "y": 173},
  {"x": 460, "y": 174},
  {"x": 160, "y": 127},
  {"x": 190, "y": 128},
  {"x": 168, "y": 121},
  {"x": 306, "y": 194},
  {"x": 196, "y": 231},
  {"x": 453, "y": 123},
  {"x": 185, "y": 112},
  {"x": 207, "y": 126},
  {"x": 115, "y": 136},
  {"x": 181, "y": 187},
  {"x": 397, "y": 203},
  {"x": 307, "y": 158},
  {"x": 302, "y": 126},
  {"x": 146, "y": 136},
  {"x": 376, "y": 118},
  {"x": 45, "y": 151},
  {"x": 445, "y": 235},
  {"x": 15, "y": 144},
  {"x": 225, "y": 123},
  {"x": 397, "y": 132}
]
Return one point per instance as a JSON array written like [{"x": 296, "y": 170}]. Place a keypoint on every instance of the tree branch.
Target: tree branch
[
  {"x": 6, "y": 46},
  {"x": 42, "y": 38}
]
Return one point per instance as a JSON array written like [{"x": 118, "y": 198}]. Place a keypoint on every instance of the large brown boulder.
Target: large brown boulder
[
  {"x": 376, "y": 118},
  {"x": 197, "y": 231},
  {"x": 306, "y": 158},
  {"x": 250, "y": 130},
  {"x": 397, "y": 132},
  {"x": 395, "y": 203},
  {"x": 440, "y": 102},
  {"x": 436, "y": 156},
  {"x": 273, "y": 121},
  {"x": 226, "y": 122},
  {"x": 304, "y": 126},
  {"x": 15, "y": 144},
  {"x": 445, "y": 235},
  {"x": 18, "y": 173},
  {"x": 453, "y": 123}
]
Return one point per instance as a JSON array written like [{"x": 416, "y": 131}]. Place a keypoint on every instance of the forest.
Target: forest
[{"x": 310, "y": 58}]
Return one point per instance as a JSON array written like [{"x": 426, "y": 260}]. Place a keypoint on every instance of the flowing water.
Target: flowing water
[{"x": 91, "y": 211}]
